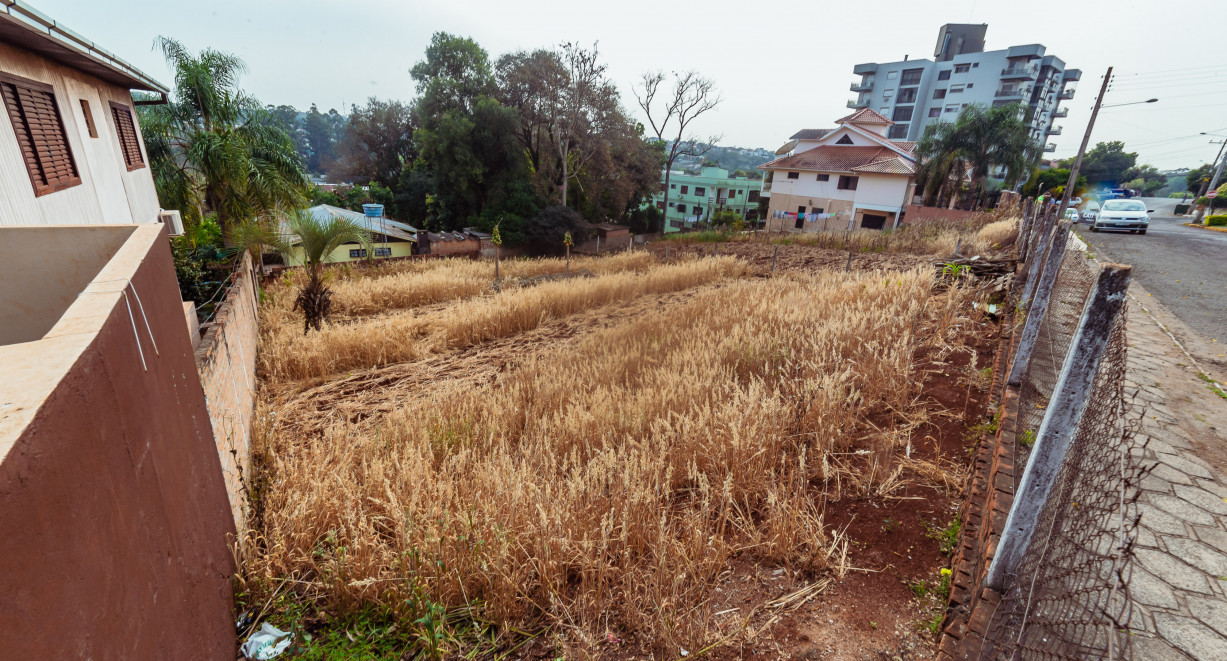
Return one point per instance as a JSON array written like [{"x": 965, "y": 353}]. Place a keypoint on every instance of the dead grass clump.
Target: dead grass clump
[
  {"x": 286, "y": 354},
  {"x": 605, "y": 489},
  {"x": 927, "y": 238},
  {"x": 999, "y": 234}
]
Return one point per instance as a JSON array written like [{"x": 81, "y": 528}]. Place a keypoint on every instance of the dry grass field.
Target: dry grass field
[{"x": 635, "y": 460}]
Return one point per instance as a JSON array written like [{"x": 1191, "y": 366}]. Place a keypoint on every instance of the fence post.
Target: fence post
[
  {"x": 848, "y": 268},
  {"x": 774, "y": 256},
  {"x": 1065, "y": 409},
  {"x": 1040, "y": 239},
  {"x": 1037, "y": 307}
]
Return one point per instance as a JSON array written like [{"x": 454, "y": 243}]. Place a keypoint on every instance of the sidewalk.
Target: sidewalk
[{"x": 1180, "y": 575}]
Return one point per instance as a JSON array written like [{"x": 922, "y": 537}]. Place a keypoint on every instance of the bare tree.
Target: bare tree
[
  {"x": 580, "y": 111},
  {"x": 691, "y": 96}
]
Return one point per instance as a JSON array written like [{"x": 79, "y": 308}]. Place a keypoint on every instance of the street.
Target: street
[{"x": 1184, "y": 268}]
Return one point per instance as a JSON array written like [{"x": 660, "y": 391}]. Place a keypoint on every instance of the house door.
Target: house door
[
  {"x": 872, "y": 222},
  {"x": 800, "y": 221}
]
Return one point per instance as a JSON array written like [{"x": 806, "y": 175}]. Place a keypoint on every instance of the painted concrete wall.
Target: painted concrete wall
[
  {"x": 226, "y": 361},
  {"x": 111, "y": 497},
  {"x": 108, "y": 192},
  {"x": 341, "y": 254}
]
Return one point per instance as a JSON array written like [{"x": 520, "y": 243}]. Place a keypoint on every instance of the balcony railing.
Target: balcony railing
[
  {"x": 1052, "y": 146},
  {"x": 1054, "y": 130},
  {"x": 863, "y": 86},
  {"x": 1061, "y": 112},
  {"x": 1065, "y": 95},
  {"x": 766, "y": 188},
  {"x": 858, "y": 103},
  {"x": 1011, "y": 94},
  {"x": 1018, "y": 72}
]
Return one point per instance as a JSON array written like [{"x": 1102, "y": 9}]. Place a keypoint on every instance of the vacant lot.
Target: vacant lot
[{"x": 646, "y": 457}]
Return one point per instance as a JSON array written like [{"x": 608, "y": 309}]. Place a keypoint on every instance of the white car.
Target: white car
[
  {"x": 1129, "y": 215},
  {"x": 1071, "y": 214}
]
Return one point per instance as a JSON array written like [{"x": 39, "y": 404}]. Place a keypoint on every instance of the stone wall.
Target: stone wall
[{"x": 226, "y": 360}]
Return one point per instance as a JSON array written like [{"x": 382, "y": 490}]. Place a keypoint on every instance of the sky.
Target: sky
[{"x": 779, "y": 66}]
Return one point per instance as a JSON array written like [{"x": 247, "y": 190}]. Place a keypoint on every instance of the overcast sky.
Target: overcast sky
[{"x": 779, "y": 66}]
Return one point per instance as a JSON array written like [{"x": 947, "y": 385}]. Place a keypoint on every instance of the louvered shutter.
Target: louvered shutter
[
  {"x": 40, "y": 135},
  {"x": 129, "y": 144}
]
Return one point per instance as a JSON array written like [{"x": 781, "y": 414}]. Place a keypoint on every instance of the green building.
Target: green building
[{"x": 693, "y": 198}]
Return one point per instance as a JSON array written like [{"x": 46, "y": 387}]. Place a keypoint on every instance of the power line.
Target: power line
[{"x": 1147, "y": 73}]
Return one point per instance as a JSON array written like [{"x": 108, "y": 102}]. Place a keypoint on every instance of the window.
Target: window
[
  {"x": 40, "y": 134},
  {"x": 939, "y": 94},
  {"x": 935, "y": 112},
  {"x": 660, "y": 205},
  {"x": 891, "y": 75},
  {"x": 897, "y": 132},
  {"x": 847, "y": 182},
  {"x": 943, "y": 75},
  {"x": 662, "y": 188},
  {"x": 954, "y": 107},
  {"x": 129, "y": 144},
  {"x": 907, "y": 95},
  {"x": 794, "y": 175},
  {"x": 844, "y": 140},
  {"x": 801, "y": 209},
  {"x": 753, "y": 196},
  {"x": 89, "y": 119},
  {"x": 681, "y": 208},
  {"x": 699, "y": 190},
  {"x": 903, "y": 114},
  {"x": 672, "y": 205},
  {"x": 732, "y": 193},
  {"x": 974, "y": 65},
  {"x": 824, "y": 177},
  {"x": 911, "y": 77},
  {"x": 672, "y": 185},
  {"x": 962, "y": 68},
  {"x": 956, "y": 89},
  {"x": 887, "y": 95},
  {"x": 684, "y": 189},
  {"x": 970, "y": 85}
]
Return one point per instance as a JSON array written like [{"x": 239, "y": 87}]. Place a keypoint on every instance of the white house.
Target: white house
[
  {"x": 849, "y": 176},
  {"x": 71, "y": 150}
]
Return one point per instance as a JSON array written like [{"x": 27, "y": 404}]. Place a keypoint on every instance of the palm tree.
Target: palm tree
[
  {"x": 213, "y": 148},
  {"x": 317, "y": 238},
  {"x": 978, "y": 141},
  {"x": 942, "y": 166}
]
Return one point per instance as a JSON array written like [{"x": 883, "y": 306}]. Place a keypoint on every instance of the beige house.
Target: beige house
[
  {"x": 71, "y": 150},
  {"x": 851, "y": 176}
]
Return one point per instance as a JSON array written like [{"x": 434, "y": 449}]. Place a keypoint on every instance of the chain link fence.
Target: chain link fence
[{"x": 1064, "y": 589}]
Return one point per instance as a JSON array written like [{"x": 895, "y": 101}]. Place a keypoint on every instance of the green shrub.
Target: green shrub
[{"x": 1217, "y": 221}]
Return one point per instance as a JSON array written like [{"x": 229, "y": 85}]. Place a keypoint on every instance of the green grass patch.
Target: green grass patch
[
  {"x": 1212, "y": 385},
  {"x": 947, "y": 538}
]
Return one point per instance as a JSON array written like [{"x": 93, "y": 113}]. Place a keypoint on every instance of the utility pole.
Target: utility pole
[
  {"x": 1218, "y": 172},
  {"x": 1086, "y": 138}
]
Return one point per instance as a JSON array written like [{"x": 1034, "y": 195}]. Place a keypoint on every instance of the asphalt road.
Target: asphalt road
[{"x": 1184, "y": 267}]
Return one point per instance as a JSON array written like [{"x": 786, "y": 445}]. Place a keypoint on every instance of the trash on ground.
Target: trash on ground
[{"x": 267, "y": 643}]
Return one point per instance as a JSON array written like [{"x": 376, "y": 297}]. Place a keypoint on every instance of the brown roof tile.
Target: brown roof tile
[
  {"x": 864, "y": 116},
  {"x": 892, "y": 165},
  {"x": 832, "y": 158},
  {"x": 809, "y": 134}
]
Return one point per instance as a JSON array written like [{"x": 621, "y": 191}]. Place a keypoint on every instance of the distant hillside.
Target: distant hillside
[{"x": 731, "y": 159}]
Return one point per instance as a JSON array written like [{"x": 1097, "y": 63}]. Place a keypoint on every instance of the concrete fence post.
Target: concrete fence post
[
  {"x": 1042, "y": 243},
  {"x": 1105, "y": 304},
  {"x": 775, "y": 255},
  {"x": 1038, "y": 306}
]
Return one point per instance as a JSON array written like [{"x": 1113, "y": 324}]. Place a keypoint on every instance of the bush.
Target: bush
[{"x": 1217, "y": 221}]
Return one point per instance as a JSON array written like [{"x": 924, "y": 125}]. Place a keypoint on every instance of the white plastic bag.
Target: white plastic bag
[{"x": 267, "y": 643}]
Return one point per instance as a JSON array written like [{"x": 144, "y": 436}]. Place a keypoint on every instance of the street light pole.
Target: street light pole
[
  {"x": 1086, "y": 138},
  {"x": 1218, "y": 172}
]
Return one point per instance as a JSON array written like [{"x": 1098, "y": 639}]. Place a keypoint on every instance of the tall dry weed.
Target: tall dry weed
[{"x": 606, "y": 487}]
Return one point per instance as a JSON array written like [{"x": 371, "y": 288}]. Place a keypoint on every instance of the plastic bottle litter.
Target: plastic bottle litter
[{"x": 267, "y": 643}]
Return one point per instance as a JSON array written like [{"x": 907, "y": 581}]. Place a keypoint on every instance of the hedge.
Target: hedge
[{"x": 1217, "y": 221}]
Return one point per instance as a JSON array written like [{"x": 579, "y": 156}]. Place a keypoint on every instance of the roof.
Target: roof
[
  {"x": 864, "y": 116},
  {"x": 385, "y": 226},
  {"x": 908, "y": 146},
  {"x": 24, "y": 27},
  {"x": 449, "y": 236},
  {"x": 610, "y": 227},
  {"x": 835, "y": 158},
  {"x": 810, "y": 134}
]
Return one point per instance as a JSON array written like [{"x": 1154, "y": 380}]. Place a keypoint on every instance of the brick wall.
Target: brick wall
[{"x": 226, "y": 360}]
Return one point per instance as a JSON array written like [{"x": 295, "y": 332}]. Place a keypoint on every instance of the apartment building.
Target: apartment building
[
  {"x": 693, "y": 198},
  {"x": 916, "y": 93}
]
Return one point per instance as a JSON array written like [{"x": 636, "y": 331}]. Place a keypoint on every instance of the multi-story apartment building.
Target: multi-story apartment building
[
  {"x": 916, "y": 93},
  {"x": 693, "y": 198}
]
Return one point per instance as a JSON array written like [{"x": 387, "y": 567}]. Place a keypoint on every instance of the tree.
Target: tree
[
  {"x": 377, "y": 142},
  {"x": 317, "y": 238},
  {"x": 1198, "y": 177},
  {"x": 942, "y": 165},
  {"x": 455, "y": 73},
  {"x": 1052, "y": 182},
  {"x": 691, "y": 96},
  {"x": 214, "y": 148},
  {"x": 979, "y": 141},
  {"x": 551, "y": 226},
  {"x": 1107, "y": 162},
  {"x": 320, "y": 133}
]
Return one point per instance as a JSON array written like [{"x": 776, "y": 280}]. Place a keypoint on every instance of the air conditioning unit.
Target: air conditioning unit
[{"x": 173, "y": 219}]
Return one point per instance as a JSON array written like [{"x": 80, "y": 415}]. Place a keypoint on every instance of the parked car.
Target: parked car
[
  {"x": 1071, "y": 214},
  {"x": 1090, "y": 211},
  {"x": 1131, "y": 215}
]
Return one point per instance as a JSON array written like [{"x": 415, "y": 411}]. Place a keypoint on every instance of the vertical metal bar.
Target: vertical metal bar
[
  {"x": 1105, "y": 304},
  {"x": 1038, "y": 306}
]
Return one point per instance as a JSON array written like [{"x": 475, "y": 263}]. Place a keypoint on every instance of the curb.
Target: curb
[{"x": 1205, "y": 227}]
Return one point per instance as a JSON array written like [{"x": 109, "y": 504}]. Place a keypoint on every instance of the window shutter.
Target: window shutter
[
  {"x": 40, "y": 134},
  {"x": 128, "y": 142}
]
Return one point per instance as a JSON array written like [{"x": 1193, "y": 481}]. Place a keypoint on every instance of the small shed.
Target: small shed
[
  {"x": 613, "y": 237},
  {"x": 448, "y": 243}
]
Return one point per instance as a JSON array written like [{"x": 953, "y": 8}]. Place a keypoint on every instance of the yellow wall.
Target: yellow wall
[{"x": 399, "y": 249}]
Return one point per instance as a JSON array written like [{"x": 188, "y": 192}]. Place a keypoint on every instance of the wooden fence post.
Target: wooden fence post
[
  {"x": 1038, "y": 306},
  {"x": 1105, "y": 304},
  {"x": 1042, "y": 244},
  {"x": 774, "y": 256},
  {"x": 848, "y": 268}
]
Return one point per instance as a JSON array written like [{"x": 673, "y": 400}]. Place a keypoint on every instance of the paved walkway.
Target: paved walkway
[{"x": 1180, "y": 577}]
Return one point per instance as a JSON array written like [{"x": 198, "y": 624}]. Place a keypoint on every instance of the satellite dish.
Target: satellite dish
[{"x": 788, "y": 146}]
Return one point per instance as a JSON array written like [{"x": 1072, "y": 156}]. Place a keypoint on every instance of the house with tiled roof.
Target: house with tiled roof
[{"x": 851, "y": 176}]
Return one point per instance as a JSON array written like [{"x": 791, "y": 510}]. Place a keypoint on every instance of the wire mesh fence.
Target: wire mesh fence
[{"x": 1068, "y": 595}]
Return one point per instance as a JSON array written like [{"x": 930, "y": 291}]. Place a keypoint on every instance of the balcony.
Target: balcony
[
  {"x": 1019, "y": 73},
  {"x": 1072, "y": 74},
  {"x": 1011, "y": 95},
  {"x": 766, "y": 190},
  {"x": 863, "y": 86},
  {"x": 1066, "y": 95},
  {"x": 1060, "y": 112},
  {"x": 864, "y": 68},
  {"x": 1053, "y": 130},
  {"x": 1052, "y": 146},
  {"x": 859, "y": 103}
]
